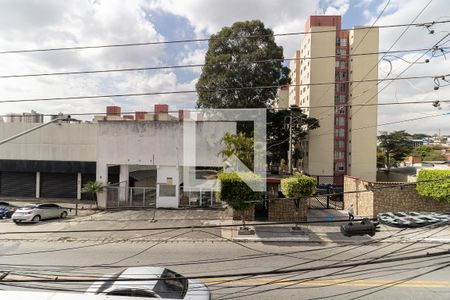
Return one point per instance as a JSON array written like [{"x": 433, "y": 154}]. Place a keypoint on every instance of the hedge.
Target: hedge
[
  {"x": 298, "y": 186},
  {"x": 235, "y": 192},
  {"x": 435, "y": 184}
]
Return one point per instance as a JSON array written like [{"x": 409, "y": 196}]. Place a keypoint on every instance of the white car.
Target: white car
[
  {"x": 37, "y": 212},
  {"x": 170, "y": 286}
]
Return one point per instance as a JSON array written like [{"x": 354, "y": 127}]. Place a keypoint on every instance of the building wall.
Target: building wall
[
  {"x": 55, "y": 142},
  {"x": 321, "y": 70},
  {"x": 383, "y": 198},
  {"x": 294, "y": 88},
  {"x": 362, "y": 140}
]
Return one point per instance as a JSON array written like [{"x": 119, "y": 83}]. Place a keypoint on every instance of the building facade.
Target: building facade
[
  {"x": 136, "y": 160},
  {"x": 26, "y": 117},
  {"x": 337, "y": 85}
]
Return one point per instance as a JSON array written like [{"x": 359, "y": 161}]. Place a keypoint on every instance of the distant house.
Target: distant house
[{"x": 412, "y": 160}]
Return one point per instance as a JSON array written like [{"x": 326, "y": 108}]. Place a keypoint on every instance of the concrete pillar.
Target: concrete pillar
[
  {"x": 38, "y": 184},
  {"x": 79, "y": 186},
  {"x": 102, "y": 177},
  {"x": 124, "y": 176}
]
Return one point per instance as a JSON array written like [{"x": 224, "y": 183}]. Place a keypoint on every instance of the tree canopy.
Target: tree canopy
[
  {"x": 278, "y": 133},
  {"x": 239, "y": 145},
  {"x": 395, "y": 146},
  {"x": 434, "y": 184},
  {"x": 231, "y": 73}
]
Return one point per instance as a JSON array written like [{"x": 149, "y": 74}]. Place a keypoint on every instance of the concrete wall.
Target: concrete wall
[
  {"x": 321, "y": 140},
  {"x": 64, "y": 142},
  {"x": 362, "y": 147},
  {"x": 387, "y": 197}
]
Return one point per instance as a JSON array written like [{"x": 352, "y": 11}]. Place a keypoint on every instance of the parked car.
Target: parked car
[
  {"x": 170, "y": 286},
  {"x": 6, "y": 210},
  {"x": 37, "y": 212}
]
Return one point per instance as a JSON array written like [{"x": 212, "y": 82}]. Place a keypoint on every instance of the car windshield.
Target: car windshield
[{"x": 172, "y": 285}]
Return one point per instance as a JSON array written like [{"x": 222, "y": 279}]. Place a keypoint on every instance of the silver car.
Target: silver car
[
  {"x": 37, "y": 212},
  {"x": 170, "y": 286}
]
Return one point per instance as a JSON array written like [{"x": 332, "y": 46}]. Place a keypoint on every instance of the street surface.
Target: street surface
[{"x": 374, "y": 268}]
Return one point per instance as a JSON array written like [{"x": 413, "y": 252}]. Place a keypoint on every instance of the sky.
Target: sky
[{"x": 35, "y": 24}]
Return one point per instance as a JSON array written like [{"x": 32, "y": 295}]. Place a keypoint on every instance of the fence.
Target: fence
[
  {"x": 326, "y": 187},
  {"x": 199, "y": 197},
  {"x": 133, "y": 197}
]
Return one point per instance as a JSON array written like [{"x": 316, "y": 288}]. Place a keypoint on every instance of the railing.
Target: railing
[
  {"x": 125, "y": 197},
  {"x": 199, "y": 197}
]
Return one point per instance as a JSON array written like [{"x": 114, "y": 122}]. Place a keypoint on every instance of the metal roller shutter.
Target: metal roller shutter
[
  {"x": 58, "y": 185},
  {"x": 18, "y": 184}
]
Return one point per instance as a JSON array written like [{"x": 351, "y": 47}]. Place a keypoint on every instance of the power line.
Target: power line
[
  {"x": 208, "y": 39},
  {"x": 206, "y": 90},
  {"x": 241, "y": 274},
  {"x": 204, "y": 65},
  {"x": 379, "y": 60}
]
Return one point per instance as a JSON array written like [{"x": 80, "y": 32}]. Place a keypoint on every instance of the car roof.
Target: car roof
[
  {"x": 61, "y": 296},
  {"x": 138, "y": 273}
]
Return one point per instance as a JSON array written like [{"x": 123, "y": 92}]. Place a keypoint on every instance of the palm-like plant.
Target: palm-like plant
[{"x": 93, "y": 187}]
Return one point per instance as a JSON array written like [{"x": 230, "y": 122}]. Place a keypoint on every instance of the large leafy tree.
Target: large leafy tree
[
  {"x": 278, "y": 133},
  {"x": 396, "y": 146},
  {"x": 229, "y": 78}
]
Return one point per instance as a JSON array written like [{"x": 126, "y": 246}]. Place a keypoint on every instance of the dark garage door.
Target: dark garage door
[
  {"x": 58, "y": 185},
  {"x": 18, "y": 184}
]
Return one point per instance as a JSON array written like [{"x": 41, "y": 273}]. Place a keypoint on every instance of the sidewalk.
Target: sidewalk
[{"x": 187, "y": 219}]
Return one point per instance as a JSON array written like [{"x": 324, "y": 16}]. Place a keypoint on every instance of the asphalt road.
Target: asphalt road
[{"x": 399, "y": 277}]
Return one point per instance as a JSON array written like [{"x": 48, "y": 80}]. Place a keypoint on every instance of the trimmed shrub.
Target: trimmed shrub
[
  {"x": 235, "y": 192},
  {"x": 298, "y": 187},
  {"x": 435, "y": 184}
]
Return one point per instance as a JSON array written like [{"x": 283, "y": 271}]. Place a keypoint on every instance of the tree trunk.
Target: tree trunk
[
  {"x": 243, "y": 218},
  {"x": 94, "y": 195},
  {"x": 388, "y": 161}
]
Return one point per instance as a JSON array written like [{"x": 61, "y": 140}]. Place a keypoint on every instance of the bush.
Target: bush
[
  {"x": 235, "y": 192},
  {"x": 436, "y": 184},
  {"x": 298, "y": 187}
]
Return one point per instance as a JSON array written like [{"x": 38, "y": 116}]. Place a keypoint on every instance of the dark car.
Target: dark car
[{"x": 6, "y": 210}]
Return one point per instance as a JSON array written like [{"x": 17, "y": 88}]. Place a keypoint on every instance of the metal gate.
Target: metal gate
[
  {"x": 328, "y": 195},
  {"x": 18, "y": 184},
  {"x": 133, "y": 197}
]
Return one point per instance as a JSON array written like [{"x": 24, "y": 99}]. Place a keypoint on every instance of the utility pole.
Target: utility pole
[{"x": 290, "y": 143}]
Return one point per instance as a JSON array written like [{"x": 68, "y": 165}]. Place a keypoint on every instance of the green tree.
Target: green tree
[
  {"x": 434, "y": 184},
  {"x": 435, "y": 155},
  {"x": 229, "y": 66},
  {"x": 299, "y": 188},
  {"x": 236, "y": 192},
  {"x": 93, "y": 187},
  {"x": 239, "y": 145},
  {"x": 396, "y": 146},
  {"x": 419, "y": 136},
  {"x": 278, "y": 133},
  {"x": 423, "y": 151}
]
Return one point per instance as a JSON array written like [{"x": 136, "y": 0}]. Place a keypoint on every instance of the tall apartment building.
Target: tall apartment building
[
  {"x": 26, "y": 117},
  {"x": 329, "y": 71}
]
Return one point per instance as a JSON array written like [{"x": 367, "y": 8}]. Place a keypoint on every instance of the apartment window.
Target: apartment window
[
  {"x": 340, "y": 121},
  {"x": 339, "y": 99},
  {"x": 338, "y": 155},
  {"x": 341, "y": 52},
  {"x": 343, "y": 42},
  {"x": 339, "y": 166},
  {"x": 340, "y": 64},
  {"x": 339, "y": 132},
  {"x": 341, "y": 87},
  {"x": 341, "y": 76},
  {"x": 339, "y": 144},
  {"x": 340, "y": 110}
]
